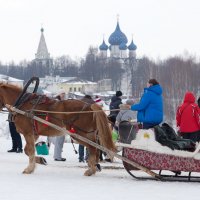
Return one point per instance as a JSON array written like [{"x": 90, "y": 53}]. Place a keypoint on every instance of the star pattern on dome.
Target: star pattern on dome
[
  {"x": 132, "y": 46},
  {"x": 103, "y": 46},
  {"x": 117, "y": 37}
]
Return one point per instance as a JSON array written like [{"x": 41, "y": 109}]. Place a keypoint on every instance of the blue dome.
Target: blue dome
[
  {"x": 122, "y": 46},
  {"x": 117, "y": 37},
  {"x": 103, "y": 46},
  {"x": 132, "y": 46}
]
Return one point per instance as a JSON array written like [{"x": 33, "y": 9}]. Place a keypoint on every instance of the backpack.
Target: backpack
[{"x": 166, "y": 136}]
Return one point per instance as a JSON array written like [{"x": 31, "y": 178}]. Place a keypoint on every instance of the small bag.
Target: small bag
[{"x": 41, "y": 148}]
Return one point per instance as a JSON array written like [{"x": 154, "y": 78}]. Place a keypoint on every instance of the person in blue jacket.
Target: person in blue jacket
[{"x": 150, "y": 107}]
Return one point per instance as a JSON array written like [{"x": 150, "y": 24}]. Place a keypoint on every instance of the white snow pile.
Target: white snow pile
[
  {"x": 4, "y": 129},
  {"x": 145, "y": 140}
]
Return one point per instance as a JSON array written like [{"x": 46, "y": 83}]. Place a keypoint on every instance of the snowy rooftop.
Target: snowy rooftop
[
  {"x": 79, "y": 81},
  {"x": 9, "y": 78}
]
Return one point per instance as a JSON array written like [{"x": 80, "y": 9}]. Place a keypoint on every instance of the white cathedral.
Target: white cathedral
[
  {"x": 125, "y": 54},
  {"x": 118, "y": 45}
]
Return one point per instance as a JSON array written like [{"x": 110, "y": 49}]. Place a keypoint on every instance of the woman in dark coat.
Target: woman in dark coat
[{"x": 114, "y": 104}]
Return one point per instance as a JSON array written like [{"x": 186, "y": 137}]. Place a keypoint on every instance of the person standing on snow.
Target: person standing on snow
[
  {"x": 87, "y": 99},
  {"x": 16, "y": 139},
  {"x": 114, "y": 104},
  {"x": 188, "y": 118},
  {"x": 59, "y": 140},
  {"x": 150, "y": 107}
]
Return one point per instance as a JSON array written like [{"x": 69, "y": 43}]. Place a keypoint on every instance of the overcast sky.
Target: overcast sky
[{"x": 160, "y": 28}]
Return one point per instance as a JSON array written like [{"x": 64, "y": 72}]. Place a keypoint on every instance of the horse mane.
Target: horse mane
[{"x": 105, "y": 133}]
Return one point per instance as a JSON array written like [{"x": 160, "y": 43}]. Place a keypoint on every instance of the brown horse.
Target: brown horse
[{"x": 92, "y": 125}]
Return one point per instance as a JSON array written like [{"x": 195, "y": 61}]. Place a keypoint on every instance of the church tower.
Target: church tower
[
  {"x": 118, "y": 45},
  {"x": 42, "y": 57},
  {"x": 118, "y": 41}
]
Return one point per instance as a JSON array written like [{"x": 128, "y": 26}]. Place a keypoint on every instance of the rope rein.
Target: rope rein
[{"x": 75, "y": 111}]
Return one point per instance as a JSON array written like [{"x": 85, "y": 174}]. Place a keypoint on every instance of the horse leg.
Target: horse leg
[
  {"x": 30, "y": 152},
  {"x": 40, "y": 160},
  {"x": 91, "y": 161}
]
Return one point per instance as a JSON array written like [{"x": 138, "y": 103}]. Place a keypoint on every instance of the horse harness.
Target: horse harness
[{"x": 35, "y": 100}]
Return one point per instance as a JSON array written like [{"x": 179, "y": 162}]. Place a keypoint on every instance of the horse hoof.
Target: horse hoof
[
  {"x": 98, "y": 166},
  {"x": 26, "y": 172},
  {"x": 89, "y": 172},
  {"x": 43, "y": 161}
]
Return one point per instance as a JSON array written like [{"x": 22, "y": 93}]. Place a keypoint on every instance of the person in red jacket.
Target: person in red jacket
[{"x": 188, "y": 118}]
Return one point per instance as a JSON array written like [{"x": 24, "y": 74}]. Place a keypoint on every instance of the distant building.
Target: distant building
[
  {"x": 68, "y": 84},
  {"x": 79, "y": 85},
  {"x": 120, "y": 51},
  {"x": 42, "y": 57},
  {"x": 104, "y": 85},
  {"x": 118, "y": 45}
]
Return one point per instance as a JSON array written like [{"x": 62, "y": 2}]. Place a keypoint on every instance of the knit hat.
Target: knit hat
[
  {"x": 99, "y": 101},
  {"x": 119, "y": 94},
  {"x": 130, "y": 102}
]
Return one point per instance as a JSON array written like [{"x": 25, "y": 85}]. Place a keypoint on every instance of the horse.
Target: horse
[{"x": 91, "y": 125}]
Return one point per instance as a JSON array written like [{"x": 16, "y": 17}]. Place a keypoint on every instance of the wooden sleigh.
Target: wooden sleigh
[{"x": 170, "y": 165}]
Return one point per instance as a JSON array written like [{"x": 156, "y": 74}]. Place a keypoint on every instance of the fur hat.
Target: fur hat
[
  {"x": 119, "y": 94},
  {"x": 130, "y": 102}
]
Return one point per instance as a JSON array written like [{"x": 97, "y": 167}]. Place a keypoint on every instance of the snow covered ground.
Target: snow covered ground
[{"x": 65, "y": 180}]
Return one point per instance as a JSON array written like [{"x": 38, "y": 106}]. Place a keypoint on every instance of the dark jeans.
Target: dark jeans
[
  {"x": 81, "y": 152},
  {"x": 148, "y": 125},
  {"x": 16, "y": 138}
]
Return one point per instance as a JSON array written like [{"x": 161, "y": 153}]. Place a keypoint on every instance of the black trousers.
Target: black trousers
[
  {"x": 16, "y": 138},
  {"x": 194, "y": 136},
  {"x": 148, "y": 125}
]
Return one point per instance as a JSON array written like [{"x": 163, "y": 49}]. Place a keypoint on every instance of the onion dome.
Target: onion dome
[
  {"x": 122, "y": 46},
  {"x": 132, "y": 46},
  {"x": 103, "y": 46},
  {"x": 117, "y": 37}
]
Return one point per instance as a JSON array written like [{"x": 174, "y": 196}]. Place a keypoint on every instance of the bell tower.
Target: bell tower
[{"x": 42, "y": 57}]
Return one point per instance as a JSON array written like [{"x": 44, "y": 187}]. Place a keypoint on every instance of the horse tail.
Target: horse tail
[{"x": 104, "y": 131}]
